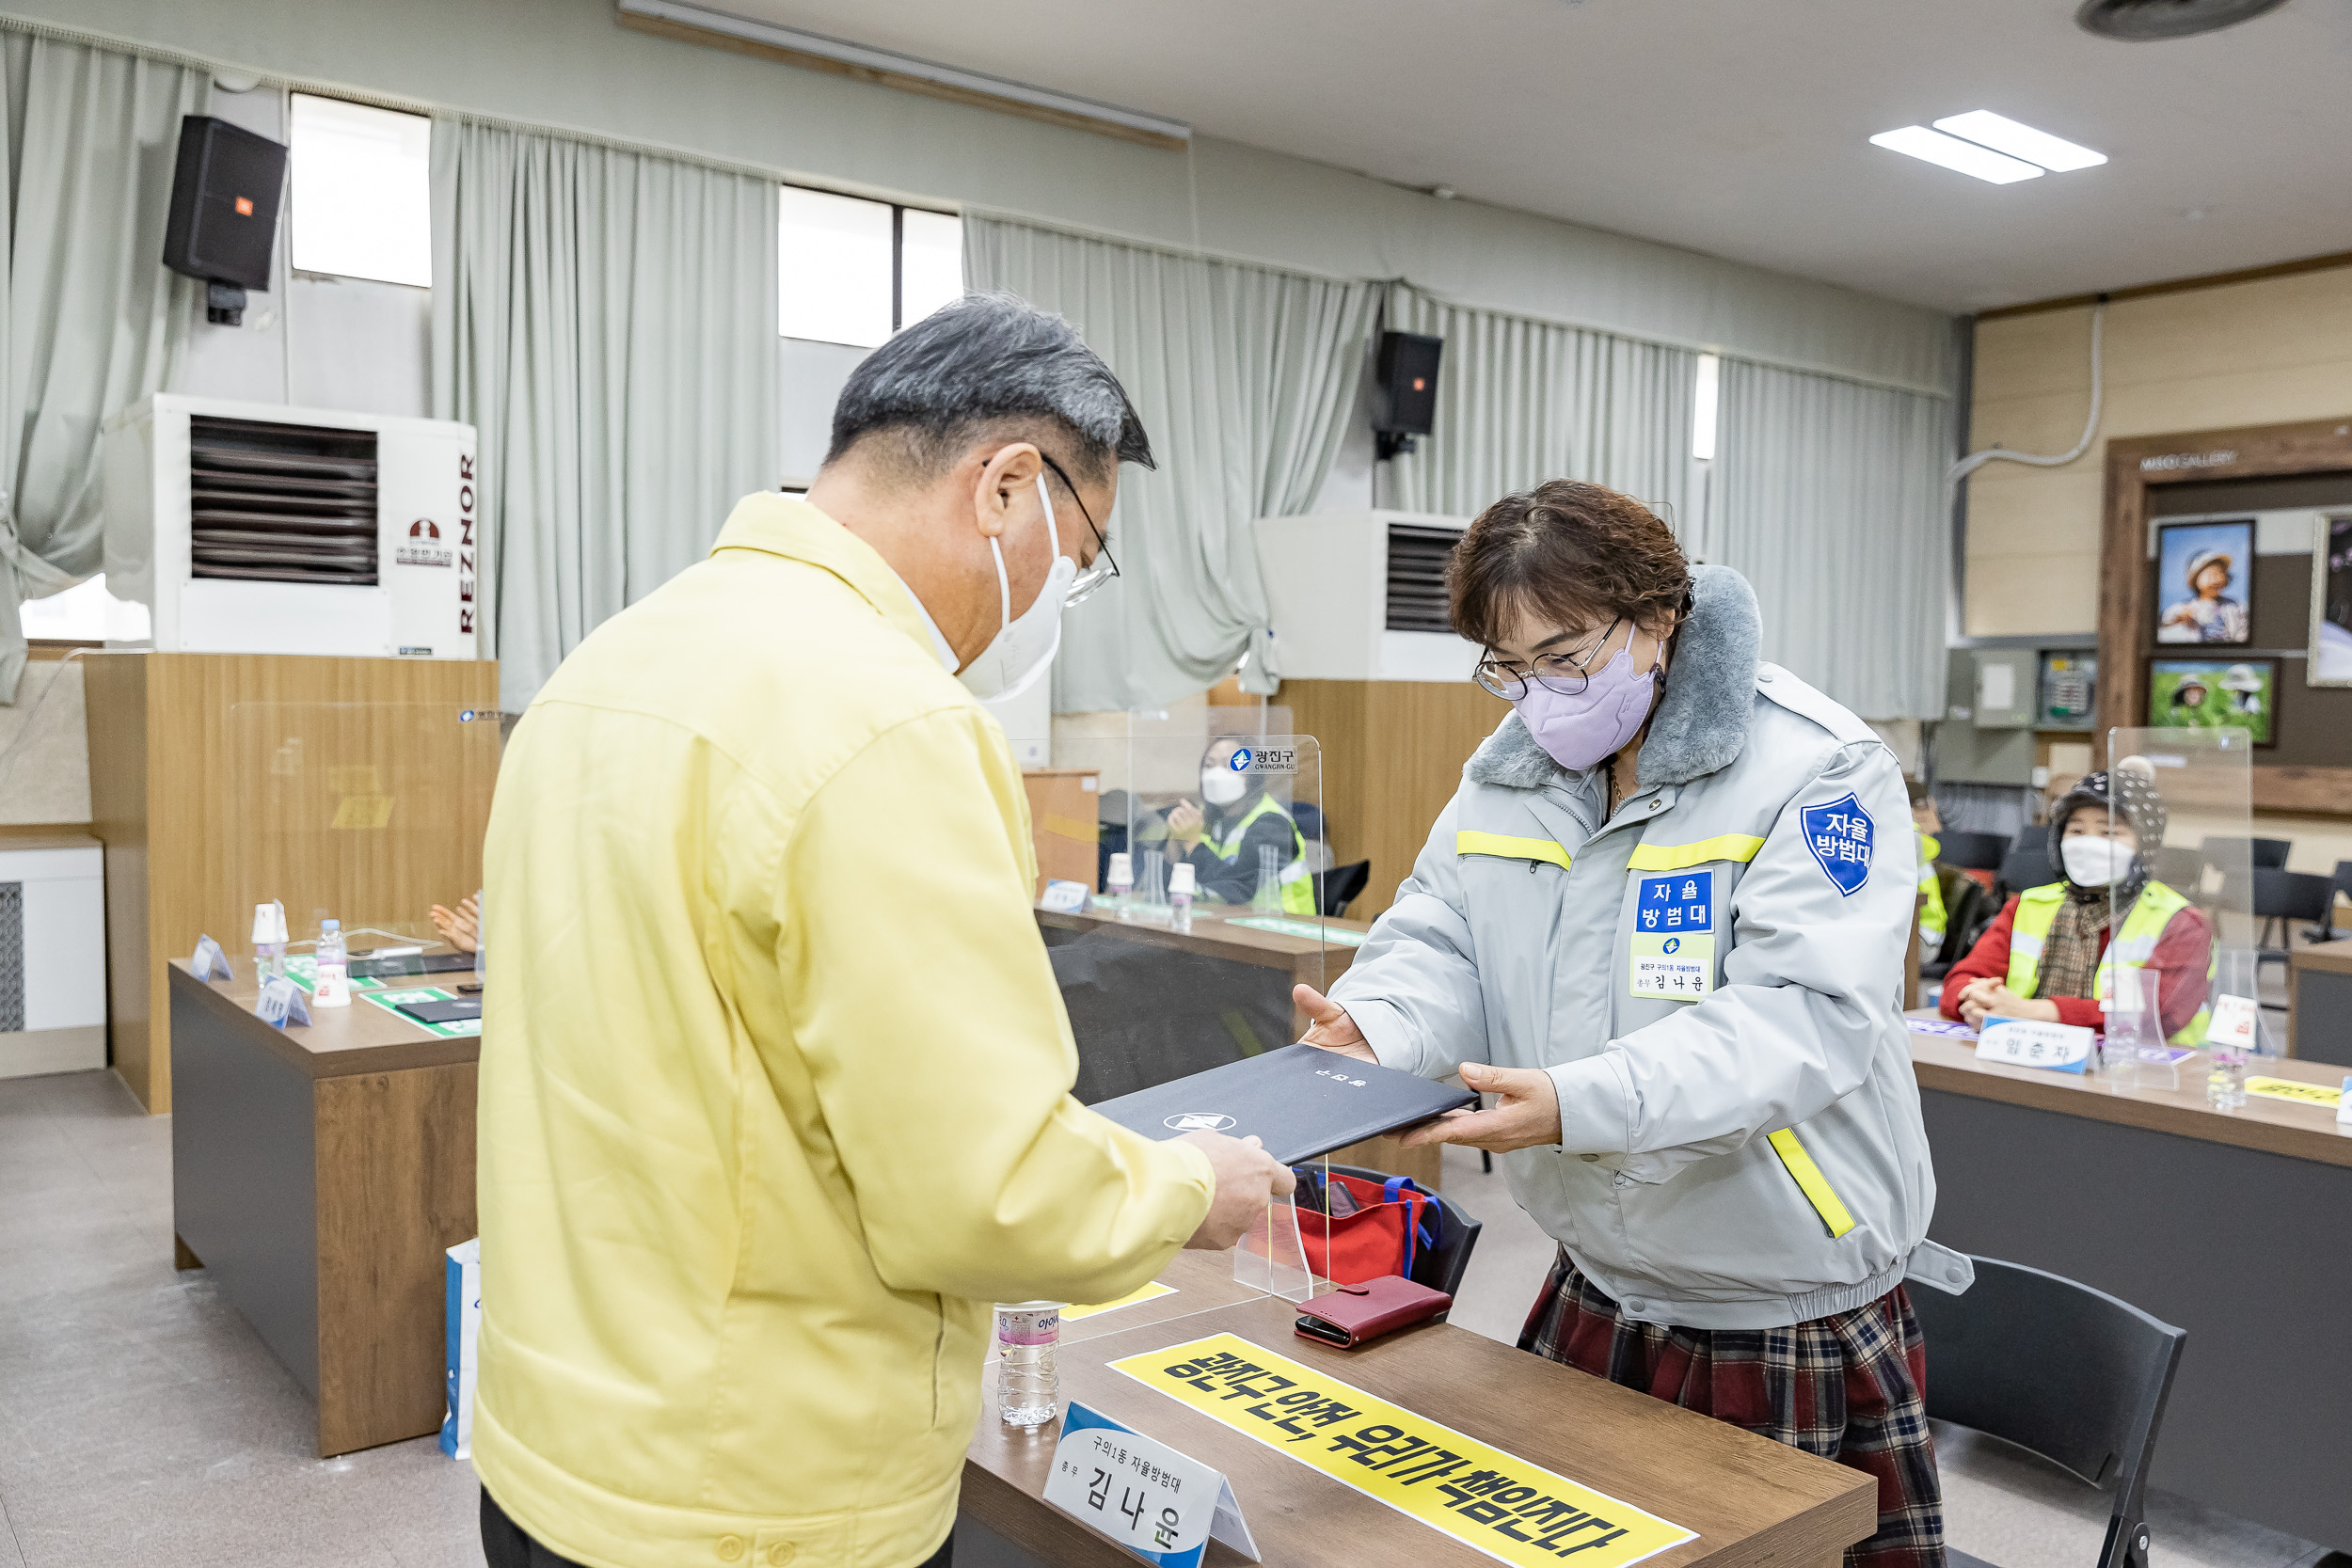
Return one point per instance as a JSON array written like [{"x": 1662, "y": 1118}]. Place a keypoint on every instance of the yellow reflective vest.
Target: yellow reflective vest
[
  {"x": 1298, "y": 887},
  {"x": 2132, "y": 946},
  {"x": 1932, "y": 918},
  {"x": 774, "y": 1084}
]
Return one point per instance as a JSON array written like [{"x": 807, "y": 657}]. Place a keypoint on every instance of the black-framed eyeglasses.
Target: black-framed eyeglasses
[
  {"x": 1103, "y": 568},
  {"x": 1565, "y": 673}
]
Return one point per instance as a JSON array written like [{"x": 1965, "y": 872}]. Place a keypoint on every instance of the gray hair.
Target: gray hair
[{"x": 984, "y": 362}]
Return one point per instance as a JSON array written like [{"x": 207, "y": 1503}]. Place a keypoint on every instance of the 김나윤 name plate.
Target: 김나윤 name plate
[
  {"x": 1495, "y": 1501},
  {"x": 1158, "y": 1503}
]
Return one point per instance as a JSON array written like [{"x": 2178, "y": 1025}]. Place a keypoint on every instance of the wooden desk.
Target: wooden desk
[
  {"x": 2319, "y": 1003},
  {"x": 1752, "y": 1500},
  {"x": 319, "y": 1173},
  {"x": 1291, "y": 960},
  {"x": 2223, "y": 1222}
]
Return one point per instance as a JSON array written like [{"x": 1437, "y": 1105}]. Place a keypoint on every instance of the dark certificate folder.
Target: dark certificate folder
[{"x": 1300, "y": 1100}]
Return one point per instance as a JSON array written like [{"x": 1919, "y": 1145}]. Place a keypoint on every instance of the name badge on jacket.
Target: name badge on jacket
[{"x": 1673, "y": 937}]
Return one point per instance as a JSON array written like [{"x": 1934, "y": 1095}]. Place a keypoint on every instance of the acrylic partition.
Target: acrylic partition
[
  {"x": 366, "y": 813},
  {"x": 1202, "y": 912},
  {"x": 2181, "y": 921}
]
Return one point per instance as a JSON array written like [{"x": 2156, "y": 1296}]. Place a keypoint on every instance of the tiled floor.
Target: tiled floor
[{"x": 141, "y": 1421}]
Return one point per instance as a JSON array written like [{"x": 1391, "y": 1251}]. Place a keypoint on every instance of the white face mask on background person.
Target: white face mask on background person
[
  {"x": 1222, "y": 786},
  {"x": 2095, "y": 862},
  {"x": 1021, "y": 650}
]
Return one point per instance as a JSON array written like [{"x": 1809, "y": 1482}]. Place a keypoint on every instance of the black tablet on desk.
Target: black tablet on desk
[
  {"x": 411, "y": 964},
  {"x": 1300, "y": 1100},
  {"x": 458, "y": 1010}
]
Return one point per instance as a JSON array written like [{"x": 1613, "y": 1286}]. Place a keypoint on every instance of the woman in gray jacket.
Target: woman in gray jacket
[{"x": 1662, "y": 924}]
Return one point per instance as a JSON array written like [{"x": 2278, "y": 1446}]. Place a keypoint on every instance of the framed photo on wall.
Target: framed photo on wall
[
  {"x": 2205, "y": 584},
  {"x": 2330, "y": 662},
  {"x": 2214, "y": 693}
]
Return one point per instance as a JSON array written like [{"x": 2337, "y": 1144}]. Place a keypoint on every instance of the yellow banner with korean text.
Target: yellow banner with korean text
[
  {"x": 2303, "y": 1094},
  {"x": 1495, "y": 1501}
]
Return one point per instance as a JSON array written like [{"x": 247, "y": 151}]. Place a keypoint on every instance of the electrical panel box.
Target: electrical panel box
[
  {"x": 1360, "y": 596},
  {"x": 258, "y": 529},
  {"x": 2008, "y": 687}
]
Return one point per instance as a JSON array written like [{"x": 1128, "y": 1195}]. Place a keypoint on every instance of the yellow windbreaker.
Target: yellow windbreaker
[{"x": 774, "y": 1085}]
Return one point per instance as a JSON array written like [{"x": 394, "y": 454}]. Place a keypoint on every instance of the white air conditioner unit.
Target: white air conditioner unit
[
  {"x": 251, "y": 527},
  {"x": 1360, "y": 597}
]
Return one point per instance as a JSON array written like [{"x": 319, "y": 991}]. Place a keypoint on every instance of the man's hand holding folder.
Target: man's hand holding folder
[{"x": 1526, "y": 1113}]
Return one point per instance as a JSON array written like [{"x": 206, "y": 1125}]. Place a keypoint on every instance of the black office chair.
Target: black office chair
[
  {"x": 2282, "y": 898},
  {"x": 1439, "y": 1266},
  {"x": 1308, "y": 820},
  {"x": 1971, "y": 851},
  {"x": 1968, "y": 909},
  {"x": 2027, "y": 865},
  {"x": 1340, "y": 886},
  {"x": 2267, "y": 854},
  {"x": 2339, "y": 884},
  {"x": 2059, "y": 1369}
]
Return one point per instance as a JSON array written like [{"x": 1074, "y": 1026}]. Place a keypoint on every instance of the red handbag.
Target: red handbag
[{"x": 1380, "y": 1228}]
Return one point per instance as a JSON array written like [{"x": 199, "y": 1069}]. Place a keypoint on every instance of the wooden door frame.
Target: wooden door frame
[{"x": 2136, "y": 465}]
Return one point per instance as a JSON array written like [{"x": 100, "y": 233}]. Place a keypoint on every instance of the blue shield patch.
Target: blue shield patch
[{"x": 1841, "y": 836}]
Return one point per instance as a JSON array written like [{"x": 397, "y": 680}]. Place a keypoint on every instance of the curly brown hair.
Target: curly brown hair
[{"x": 1582, "y": 552}]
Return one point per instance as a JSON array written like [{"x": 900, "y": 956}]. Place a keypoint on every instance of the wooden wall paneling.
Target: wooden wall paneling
[
  {"x": 114, "y": 688},
  {"x": 1393, "y": 756},
  {"x": 395, "y": 1189},
  {"x": 201, "y": 819}
]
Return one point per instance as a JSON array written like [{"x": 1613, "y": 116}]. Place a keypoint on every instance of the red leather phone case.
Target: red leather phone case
[{"x": 1356, "y": 1314}]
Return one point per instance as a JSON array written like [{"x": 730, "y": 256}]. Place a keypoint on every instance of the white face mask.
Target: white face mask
[
  {"x": 2095, "y": 862},
  {"x": 1021, "y": 650},
  {"x": 1222, "y": 786}
]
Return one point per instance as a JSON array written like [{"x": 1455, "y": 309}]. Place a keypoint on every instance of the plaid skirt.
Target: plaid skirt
[{"x": 1850, "y": 1386}]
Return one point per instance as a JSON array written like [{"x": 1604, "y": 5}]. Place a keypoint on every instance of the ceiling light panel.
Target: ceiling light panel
[
  {"x": 1918, "y": 141},
  {"x": 2004, "y": 134}
]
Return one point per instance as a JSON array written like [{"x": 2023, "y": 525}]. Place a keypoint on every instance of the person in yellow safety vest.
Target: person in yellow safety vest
[
  {"x": 1927, "y": 823},
  {"x": 1222, "y": 838},
  {"x": 2049, "y": 955}
]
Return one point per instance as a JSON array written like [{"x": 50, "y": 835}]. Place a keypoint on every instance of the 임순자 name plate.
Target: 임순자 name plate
[{"x": 1497, "y": 1503}]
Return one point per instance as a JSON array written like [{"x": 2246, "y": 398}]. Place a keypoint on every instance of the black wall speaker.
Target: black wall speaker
[
  {"x": 1404, "y": 395},
  {"x": 224, "y": 210}
]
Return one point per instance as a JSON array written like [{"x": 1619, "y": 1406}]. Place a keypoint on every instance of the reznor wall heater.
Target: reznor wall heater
[
  {"x": 1360, "y": 597},
  {"x": 251, "y": 527}
]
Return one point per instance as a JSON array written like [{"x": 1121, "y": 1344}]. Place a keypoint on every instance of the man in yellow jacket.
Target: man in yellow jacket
[{"x": 774, "y": 1085}]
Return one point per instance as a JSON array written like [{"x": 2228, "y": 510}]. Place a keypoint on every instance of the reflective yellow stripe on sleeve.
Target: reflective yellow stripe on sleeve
[
  {"x": 1680, "y": 857},
  {"x": 1810, "y": 1182},
  {"x": 1508, "y": 848}
]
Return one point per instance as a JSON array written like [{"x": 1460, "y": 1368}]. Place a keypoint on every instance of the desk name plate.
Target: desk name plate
[
  {"x": 1159, "y": 1503},
  {"x": 1488, "y": 1499}
]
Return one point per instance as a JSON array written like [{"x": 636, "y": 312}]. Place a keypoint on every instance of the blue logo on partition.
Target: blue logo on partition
[
  {"x": 1840, "y": 835},
  {"x": 1239, "y": 761}
]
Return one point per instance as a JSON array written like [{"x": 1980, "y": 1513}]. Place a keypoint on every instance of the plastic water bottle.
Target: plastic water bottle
[
  {"x": 332, "y": 988},
  {"x": 1268, "y": 899},
  {"x": 1121, "y": 881},
  {"x": 1028, "y": 1390},
  {"x": 269, "y": 942},
  {"x": 1181, "y": 885}
]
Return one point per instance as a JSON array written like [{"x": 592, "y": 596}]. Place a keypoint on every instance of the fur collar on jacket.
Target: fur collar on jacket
[{"x": 1702, "y": 721}]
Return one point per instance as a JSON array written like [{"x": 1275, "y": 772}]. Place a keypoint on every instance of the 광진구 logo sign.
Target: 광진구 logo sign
[{"x": 1264, "y": 759}]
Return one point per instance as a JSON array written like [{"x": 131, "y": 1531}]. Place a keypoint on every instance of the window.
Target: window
[
  {"x": 362, "y": 202},
  {"x": 852, "y": 270},
  {"x": 84, "y": 613},
  {"x": 1703, "y": 408}
]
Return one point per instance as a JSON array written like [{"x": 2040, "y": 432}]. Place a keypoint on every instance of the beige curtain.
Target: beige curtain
[
  {"x": 92, "y": 320},
  {"x": 1245, "y": 376},
  {"x": 606, "y": 318},
  {"x": 1828, "y": 497},
  {"x": 1522, "y": 400}
]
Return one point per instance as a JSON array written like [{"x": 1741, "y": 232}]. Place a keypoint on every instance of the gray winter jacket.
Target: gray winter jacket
[{"x": 1711, "y": 978}]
